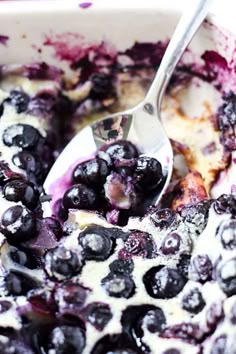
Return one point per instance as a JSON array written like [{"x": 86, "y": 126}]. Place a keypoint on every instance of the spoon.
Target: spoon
[{"x": 141, "y": 124}]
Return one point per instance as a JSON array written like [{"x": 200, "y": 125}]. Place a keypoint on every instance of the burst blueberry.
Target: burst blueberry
[
  {"x": 138, "y": 244},
  {"x": 162, "y": 218},
  {"x": 163, "y": 282},
  {"x": 18, "y": 224},
  {"x": 98, "y": 314},
  {"x": 96, "y": 243}
]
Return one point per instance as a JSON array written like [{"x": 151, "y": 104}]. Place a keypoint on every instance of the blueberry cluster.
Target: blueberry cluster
[{"x": 118, "y": 179}]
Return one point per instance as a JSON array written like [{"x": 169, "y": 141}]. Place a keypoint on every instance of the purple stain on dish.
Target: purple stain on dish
[
  {"x": 3, "y": 39},
  {"x": 85, "y": 5}
]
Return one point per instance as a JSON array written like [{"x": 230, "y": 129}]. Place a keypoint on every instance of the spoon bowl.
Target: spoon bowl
[{"x": 142, "y": 124}]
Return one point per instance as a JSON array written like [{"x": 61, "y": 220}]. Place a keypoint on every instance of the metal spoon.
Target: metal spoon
[{"x": 141, "y": 124}]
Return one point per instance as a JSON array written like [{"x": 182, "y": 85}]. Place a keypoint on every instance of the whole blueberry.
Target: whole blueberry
[
  {"x": 18, "y": 283},
  {"x": 226, "y": 203},
  {"x": 80, "y": 197},
  {"x": 22, "y": 135},
  {"x": 61, "y": 263},
  {"x": 118, "y": 285},
  {"x": 163, "y": 282},
  {"x": 148, "y": 173},
  {"x": 122, "y": 150},
  {"x": 96, "y": 243},
  {"x": 226, "y": 276},
  {"x": 26, "y": 161},
  {"x": 67, "y": 339},
  {"x": 24, "y": 257},
  {"x": 18, "y": 224},
  {"x": 226, "y": 233},
  {"x": 98, "y": 314},
  {"x": 19, "y": 100},
  {"x": 193, "y": 301},
  {"x": 22, "y": 191},
  {"x": 92, "y": 173},
  {"x": 200, "y": 268},
  {"x": 138, "y": 318}
]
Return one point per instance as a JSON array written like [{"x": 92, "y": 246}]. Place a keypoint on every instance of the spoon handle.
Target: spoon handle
[{"x": 186, "y": 28}]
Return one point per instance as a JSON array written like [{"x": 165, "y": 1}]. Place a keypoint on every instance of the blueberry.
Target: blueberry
[
  {"x": 25, "y": 161},
  {"x": 219, "y": 345},
  {"x": 6, "y": 174},
  {"x": 226, "y": 203},
  {"x": 189, "y": 332},
  {"x": 137, "y": 319},
  {"x": 226, "y": 121},
  {"x": 171, "y": 244},
  {"x": 61, "y": 263},
  {"x": 102, "y": 86},
  {"x": 80, "y": 197},
  {"x": 18, "y": 283},
  {"x": 148, "y": 173},
  {"x": 70, "y": 297},
  {"x": 193, "y": 301},
  {"x": 226, "y": 276},
  {"x": 118, "y": 343},
  {"x": 200, "y": 268},
  {"x": 67, "y": 339},
  {"x": 42, "y": 301},
  {"x": 163, "y": 282},
  {"x": 92, "y": 173},
  {"x": 195, "y": 216},
  {"x": 22, "y": 135},
  {"x": 183, "y": 264},
  {"x": 5, "y": 306},
  {"x": 24, "y": 257},
  {"x": 122, "y": 266},
  {"x": 19, "y": 100},
  {"x": 18, "y": 224},
  {"x": 22, "y": 191},
  {"x": 98, "y": 314},
  {"x": 163, "y": 218},
  {"x": 227, "y": 234},
  {"x": 122, "y": 150},
  {"x": 118, "y": 285},
  {"x": 138, "y": 244},
  {"x": 214, "y": 315},
  {"x": 96, "y": 243}
]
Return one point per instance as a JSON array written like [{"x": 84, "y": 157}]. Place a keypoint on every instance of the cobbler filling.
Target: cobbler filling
[{"x": 108, "y": 272}]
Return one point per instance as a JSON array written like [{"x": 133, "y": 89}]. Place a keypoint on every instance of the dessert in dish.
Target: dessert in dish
[{"x": 107, "y": 272}]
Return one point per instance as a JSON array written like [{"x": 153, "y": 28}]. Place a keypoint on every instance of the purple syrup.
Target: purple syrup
[
  {"x": 3, "y": 39},
  {"x": 85, "y": 5}
]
